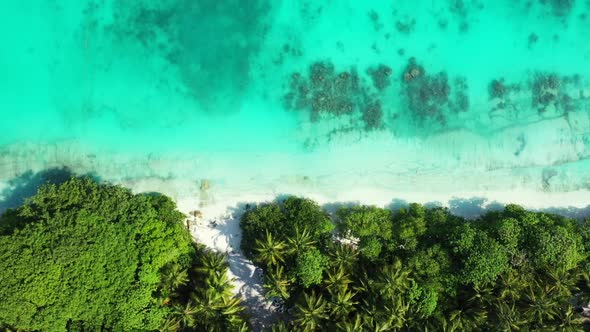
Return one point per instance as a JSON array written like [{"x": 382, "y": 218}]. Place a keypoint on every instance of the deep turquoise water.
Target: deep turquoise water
[{"x": 443, "y": 91}]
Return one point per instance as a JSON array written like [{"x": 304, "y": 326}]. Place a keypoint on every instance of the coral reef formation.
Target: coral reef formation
[
  {"x": 550, "y": 91},
  {"x": 326, "y": 92},
  {"x": 381, "y": 76},
  {"x": 429, "y": 95},
  {"x": 323, "y": 91},
  {"x": 373, "y": 115},
  {"x": 502, "y": 94}
]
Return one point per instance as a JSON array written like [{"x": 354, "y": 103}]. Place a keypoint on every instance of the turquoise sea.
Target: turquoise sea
[{"x": 320, "y": 96}]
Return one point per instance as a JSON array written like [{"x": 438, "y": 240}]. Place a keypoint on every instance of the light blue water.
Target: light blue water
[{"x": 209, "y": 78}]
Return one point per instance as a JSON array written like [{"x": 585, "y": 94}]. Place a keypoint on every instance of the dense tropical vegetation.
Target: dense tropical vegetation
[
  {"x": 83, "y": 256},
  {"x": 86, "y": 256},
  {"x": 419, "y": 269}
]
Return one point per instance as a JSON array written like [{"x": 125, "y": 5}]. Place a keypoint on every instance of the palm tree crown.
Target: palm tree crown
[{"x": 270, "y": 251}]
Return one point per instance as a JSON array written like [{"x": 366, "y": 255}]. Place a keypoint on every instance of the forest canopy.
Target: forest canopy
[
  {"x": 419, "y": 268},
  {"x": 88, "y": 256}
]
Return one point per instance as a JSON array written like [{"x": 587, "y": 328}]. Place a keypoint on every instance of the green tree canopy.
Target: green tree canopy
[
  {"x": 370, "y": 248},
  {"x": 409, "y": 224},
  {"x": 90, "y": 256},
  {"x": 425, "y": 269},
  {"x": 263, "y": 218},
  {"x": 557, "y": 247},
  {"x": 284, "y": 220},
  {"x": 508, "y": 231},
  {"x": 361, "y": 221},
  {"x": 303, "y": 213},
  {"x": 310, "y": 267},
  {"x": 484, "y": 260}
]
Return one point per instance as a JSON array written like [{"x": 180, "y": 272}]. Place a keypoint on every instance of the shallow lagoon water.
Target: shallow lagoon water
[{"x": 293, "y": 96}]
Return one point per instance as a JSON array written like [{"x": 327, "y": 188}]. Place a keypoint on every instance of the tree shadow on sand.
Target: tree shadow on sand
[
  {"x": 474, "y": 207},
  {"x": 27, "y": 184},
  {"x": 469, "y": 208}
]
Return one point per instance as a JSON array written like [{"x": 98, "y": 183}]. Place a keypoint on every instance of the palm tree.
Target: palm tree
[
  {"x": 512, "y": 285},
  {"x": 276, "y": 283},
  {"x": 438, "y": 323},
  {"x": 393, "y": 280},
  {"x": 230, "y": 313},
  {"x": 365, "y": 284},
  {"x": 171, "y": 324},
  {"x": 560, "y": 283},
  {"x": 538, "y": 306},
  {"x": 174, "y": 277},
  {"x": 210, "y": 262},
  {"x": 281, "y": 326},
  {"x": 351, "y": 325},
  {"x": 343, "y": 256},
  {"x": 468, "y": 319},
  {"x": 220, "y": 283},
  {"x": 342, "y": 303},
  {"x": 507, "y": 317},
  {"x": 374, "y": 324},
  {"x": 310, "y": 312},
  {"x": 270, "y": 252},
  {"x": 336, "y": 280},
  {"x": 232, "y": 306},
  {"x": 396, "y": 311},
  {"x": 484, "y": 295},
  {"x": 207, "y": 304},
  {"x": 215, "y": 312},
  {"x": 380, "y": 326},
  {"x": 468, "y": 313},
  {"x": 379, "y": 313},
  {"x": 185, "y": 315},
  {"x": 569, "y": 320},
  {"x": 241, "y": 328},
  {"x": 301, "y": 242}
]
